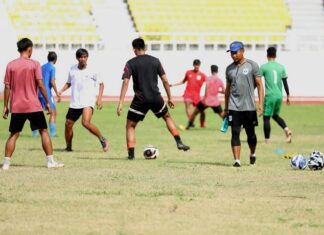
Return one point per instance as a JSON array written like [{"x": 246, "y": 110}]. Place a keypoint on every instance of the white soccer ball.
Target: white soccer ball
[
  {"x": 150, "y": 152},
  {"x": 298, "y": 162},
  {"x": 316, "y": 160}
]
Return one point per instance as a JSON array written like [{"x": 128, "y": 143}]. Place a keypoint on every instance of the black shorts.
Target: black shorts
[
  {"x": 139, "y": 108},
  {"x": 36, "y": 119},
  {"x": 74, "y": 114},
  {"x": 245, "y": 118},
  {"x": 217, "y": 109}
]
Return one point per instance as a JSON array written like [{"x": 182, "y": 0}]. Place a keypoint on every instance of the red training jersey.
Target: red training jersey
[
  {"x": 21, "y": 77},
  {"x": 213, "y": 86},
  {"x": 194, "y": 81}
]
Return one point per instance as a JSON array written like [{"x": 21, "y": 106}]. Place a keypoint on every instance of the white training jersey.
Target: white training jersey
[{"x": 84, "y": 87}]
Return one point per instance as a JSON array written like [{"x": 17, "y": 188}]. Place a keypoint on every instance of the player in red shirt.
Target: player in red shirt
[
  {"x": 194, "y": 79},
  {"x": 214, "y": 86},
  {"x": 23, "y": 77}
]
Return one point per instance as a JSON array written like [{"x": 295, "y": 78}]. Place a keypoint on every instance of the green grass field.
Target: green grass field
[{"x": 194, "y": 192}]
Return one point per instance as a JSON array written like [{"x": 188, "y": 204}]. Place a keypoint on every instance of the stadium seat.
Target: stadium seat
[
  {"x": 53, "y": 21},
  {"x": 211, "y": 17}
]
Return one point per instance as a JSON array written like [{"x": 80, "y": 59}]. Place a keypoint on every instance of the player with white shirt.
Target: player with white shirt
[{"x": 84, "y": 82}]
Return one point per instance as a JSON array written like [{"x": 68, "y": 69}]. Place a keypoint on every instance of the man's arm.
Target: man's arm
[
  {"x": 178, "y": 83},
  {"x": 227, "y": 94},
  {"x": 258, "y": 83},
  {"x": 53, "y": 83},
  {"x": 64, "y": 88},
  {"x": 42, "y": 89},
  {"x": 99, "y": 98},
  {"x": 123, "y": 92},
  {"x": 166, "y": 86},
  {"x": 285, "y": 83},
  {"x": 6, "y": 94}
]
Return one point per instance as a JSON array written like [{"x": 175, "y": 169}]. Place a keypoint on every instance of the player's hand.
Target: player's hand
[
  {"x": 58, "y": 97},
  {"x": 171, "y": 104},
  {"x": 288, "y": 100},
  {"x": 260, "y": 111},
  {"x": 119, "y": 109},
  {"x": 48, "y": 108},
  {"x": 99, "y": 104},
  {"x": 5, "y": 112}
]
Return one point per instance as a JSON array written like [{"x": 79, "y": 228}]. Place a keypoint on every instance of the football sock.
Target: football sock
[
  {"x": 131, "y": 152},
  {"x": 52, "y": 128},
  {"x": 102, "y": 139},
  {"x": 177, "y": 138},
  {"x": 50, "y": 158},
  {"x": 238, "y": 161}
]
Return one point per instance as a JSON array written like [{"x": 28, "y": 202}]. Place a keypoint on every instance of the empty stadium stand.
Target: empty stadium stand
[
  {"x": 52, "y": 22},
  {"x": 211, "y": 20}
]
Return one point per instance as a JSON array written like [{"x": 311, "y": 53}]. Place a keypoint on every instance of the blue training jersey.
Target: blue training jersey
[{"x": 48, "y": 73}]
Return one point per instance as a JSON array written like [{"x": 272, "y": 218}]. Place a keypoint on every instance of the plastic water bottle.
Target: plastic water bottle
[{"x": 224, "y": 126}]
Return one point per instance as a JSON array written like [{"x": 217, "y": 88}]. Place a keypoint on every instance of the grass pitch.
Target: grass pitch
[{"x": 194, "y": 192}]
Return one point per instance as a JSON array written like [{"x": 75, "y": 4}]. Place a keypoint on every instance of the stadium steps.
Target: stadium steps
[{"x": 114, "y": 23}]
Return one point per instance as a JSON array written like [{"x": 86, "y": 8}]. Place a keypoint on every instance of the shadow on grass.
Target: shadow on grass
[
  {"x": 29, "y": 166},
  {"x": 200, "y": 163},
  {"x": 63, "y": 150}
]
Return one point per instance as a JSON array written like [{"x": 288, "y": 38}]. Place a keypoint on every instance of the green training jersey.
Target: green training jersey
[{"x": 273, "y": 74}]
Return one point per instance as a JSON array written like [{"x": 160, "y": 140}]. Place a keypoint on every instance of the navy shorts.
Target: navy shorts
[
  {"x": 217, "y": 109},
  {"x": 245, "y": 118}
]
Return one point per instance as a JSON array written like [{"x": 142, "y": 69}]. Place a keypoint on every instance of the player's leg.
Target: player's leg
[
  {"x": 16, "y": 125},
  {"x": 280, "y": 121},
  {"x": 131, "y": 138},
  {"x": 235, "y": 123},
  {"x": 52, "y": 118},
  {"x": 266, "y": 128},
  {"x": 136, "y": 113},
  {"x": 38, "y": 122},
  {"x": 160, "y": 109},
  {"x": 188, "y": 107},
  {"x": 219, "y": 110},
  {"x": 199, "y": 108},
  {"x": 250, "y": 120},
  {"x": 86, "y": 122},
  {"x": 71, "y": 117},
  {"x": 202, "y": 119},
  {"x": 269, "y": 107}
]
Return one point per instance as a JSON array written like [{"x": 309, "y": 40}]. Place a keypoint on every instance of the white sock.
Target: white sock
[
  {"x": 252, "y": 155},
  {"x": 50, "y": 158},
  {"x": 286, "y": 129},
  {"x": 6, "y": 161},
  {"x": 238, "y": 161}
]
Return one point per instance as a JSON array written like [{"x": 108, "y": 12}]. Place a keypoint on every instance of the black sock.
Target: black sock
[
  {"x": 131, "y": 152},
  {"x": 177, "y": 138}
]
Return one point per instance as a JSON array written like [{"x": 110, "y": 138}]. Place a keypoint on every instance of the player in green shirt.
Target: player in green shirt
[{"x": 274, "y": 75}]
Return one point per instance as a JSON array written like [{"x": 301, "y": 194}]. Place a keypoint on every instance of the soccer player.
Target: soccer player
[
  {"x": 242, "y": 76},
  {"x": 214, "y": 86},
  {"x": 23, "y": 77},
  {"x": 145, "y": 70},
  {"x": 274, "y": 76},
  {"x": 84, "y": 82},
  {"x": 194, "y": 79},
  {"x": 48, "y": 73}
]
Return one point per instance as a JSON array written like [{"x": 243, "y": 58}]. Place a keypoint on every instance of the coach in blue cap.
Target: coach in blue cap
[{"x": 242, "y": 77}]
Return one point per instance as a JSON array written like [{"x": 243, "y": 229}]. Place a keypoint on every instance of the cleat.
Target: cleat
[
  {"x": 252, "y": 160},
  {"x": 104, "y": 144},
  {"x": 190, "y": 125},
  {"x": 68, "y": 149},
  {"x": 131, "y": 157},
  {"x": 54, "y": 164},
  {"x": 182, "y": 146},
  {"x": 236, "y": 164}
]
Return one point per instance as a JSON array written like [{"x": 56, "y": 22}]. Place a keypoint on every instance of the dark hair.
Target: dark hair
[
  {"x": 23, "y": 44},
  {"x": 196, "y": 62},
  {"x": 81, "y": 52},
  {"x": 51, "y": 57},
  {"x": 139, "y": 44},
  {"x": 272, "y": 52},
  {"x": 214, "y": 68}
]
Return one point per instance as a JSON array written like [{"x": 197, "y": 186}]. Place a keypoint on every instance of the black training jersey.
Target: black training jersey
[{"x": 145, "y": 70}]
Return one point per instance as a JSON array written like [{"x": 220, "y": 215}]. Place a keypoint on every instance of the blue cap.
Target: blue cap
[{"x": 235, "y": 46}]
